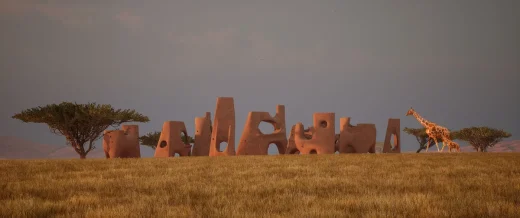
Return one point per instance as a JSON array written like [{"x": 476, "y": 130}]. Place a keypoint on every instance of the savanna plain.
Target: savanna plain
[{"x": 346, "y": 185}]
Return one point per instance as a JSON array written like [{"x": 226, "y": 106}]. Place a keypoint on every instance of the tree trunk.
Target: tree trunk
[
  {"x": 82, "y": 156},
  {"x": 423, "y": 146}
]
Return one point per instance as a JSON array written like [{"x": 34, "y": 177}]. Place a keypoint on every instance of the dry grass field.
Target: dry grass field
[{"x": 371, "y": 185}]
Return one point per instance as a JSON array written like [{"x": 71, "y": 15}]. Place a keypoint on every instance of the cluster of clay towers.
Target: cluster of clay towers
[
  {"x": 320, "y": 138},
  {"x": 435, "y": 132}
]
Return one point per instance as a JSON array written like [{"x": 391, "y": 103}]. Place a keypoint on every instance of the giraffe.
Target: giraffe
[
  {"x": 451, "y": 145},
  {"x": 433, "y": 130}
]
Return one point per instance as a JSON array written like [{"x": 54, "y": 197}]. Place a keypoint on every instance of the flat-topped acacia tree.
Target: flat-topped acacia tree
[
  {"x": 482, "y": 137},
  {"x": 79, "y": 123},
  {"x": 421, "y": 136}
]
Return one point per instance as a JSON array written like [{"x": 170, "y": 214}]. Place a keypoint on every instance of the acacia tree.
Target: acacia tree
[
  {"x": 79, "y": 123},
  {"x": 152, "y": 138},
  {"x": 422, "y": 138},
  {"x": 482, "y": 137}
]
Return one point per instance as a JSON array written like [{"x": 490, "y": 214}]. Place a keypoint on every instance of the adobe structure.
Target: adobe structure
[
  {"x": 170, "y": 142},
  {"x": 254, "y": 142},
  {"x": 393, "y": 129},
  {"x": 291, "y": 145},
  {"x": 122, "y": 143},
  {"x": 356, "y": 139},
  {"x": 320, "y": 138},
  {"x": 202, "y": 135},
  {"x": 323, "y": 136},
  {"x": 223, "y": 128}
]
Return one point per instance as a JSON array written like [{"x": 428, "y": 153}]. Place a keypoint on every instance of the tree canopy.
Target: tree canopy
[
  {"x": 79, "y": 123},
  {"x": 422, "y": 137},
  {"x": 151, "y": 139},
  {"x": 481, "y": 137}
]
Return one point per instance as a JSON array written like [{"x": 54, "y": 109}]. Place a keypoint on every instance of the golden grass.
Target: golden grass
[{"x": 353, "y": 185}]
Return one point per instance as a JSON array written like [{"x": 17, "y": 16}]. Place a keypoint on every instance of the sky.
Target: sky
[{"x": 456, "y": 62}]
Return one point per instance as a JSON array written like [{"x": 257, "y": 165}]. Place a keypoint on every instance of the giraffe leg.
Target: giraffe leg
[
  {"x": 428, "y": 144},
  {"x": 436, "y": 144},
  {"x": 445, "y": 141}
]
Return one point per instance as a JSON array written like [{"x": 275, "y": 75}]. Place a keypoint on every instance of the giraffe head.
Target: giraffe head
[{"x": 410, "y": 112}]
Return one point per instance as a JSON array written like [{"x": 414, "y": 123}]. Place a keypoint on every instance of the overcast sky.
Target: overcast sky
[{"x": 457, "y": 62}]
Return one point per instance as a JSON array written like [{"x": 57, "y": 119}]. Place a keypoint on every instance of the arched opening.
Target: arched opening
[
  {"x": 272, "y": 149},
  {"x": 163, "y": 144},
  {"x": 176, "y": 155},
  {"x": 396, "y": 141},
  {"x": 337, "y": 152},
  {"x": 313, "y": 152},
  {"x": 222, "y": 146},
  {"x": 184, "y": 138},
  {"x": 266, "y": 128},
  {"x": 393, "y": 141}
]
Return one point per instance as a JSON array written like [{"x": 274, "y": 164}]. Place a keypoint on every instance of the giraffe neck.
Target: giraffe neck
[{"x": 421, "y": 120}]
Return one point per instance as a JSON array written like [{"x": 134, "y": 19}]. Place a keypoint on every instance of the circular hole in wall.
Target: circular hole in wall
[
  {"x": 222, "y": 146},
  {"x": 323, "y": 124},
  {"x": 266, "y": 128},
  {"x": 163, "y": 144}
]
